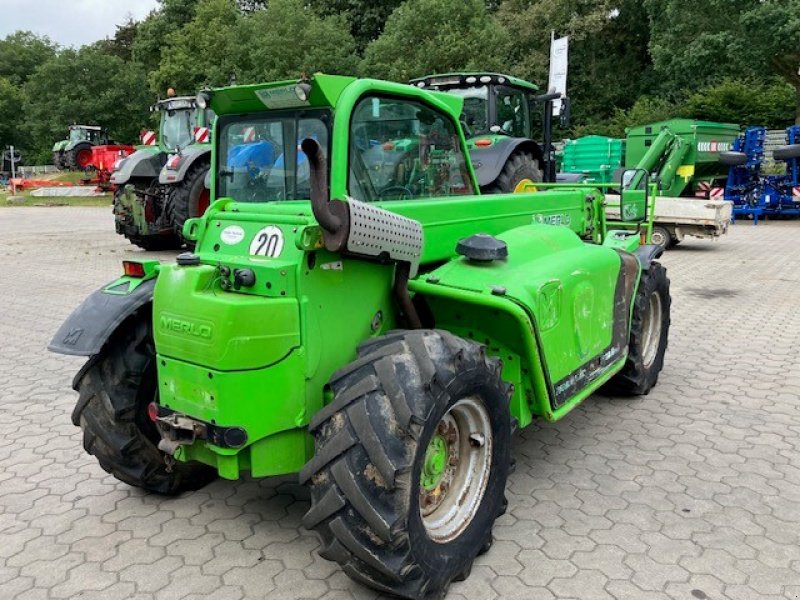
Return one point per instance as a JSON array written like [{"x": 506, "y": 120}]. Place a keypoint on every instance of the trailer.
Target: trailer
[{"x": 675, "y": 218}]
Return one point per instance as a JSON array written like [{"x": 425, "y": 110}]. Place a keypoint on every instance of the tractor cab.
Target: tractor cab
[
  {"x": 86, "y": 133},
  {"x": 180, "y": 120},
  {"x": 493, "y": 104},
  {"x": 499, "y": 118}
]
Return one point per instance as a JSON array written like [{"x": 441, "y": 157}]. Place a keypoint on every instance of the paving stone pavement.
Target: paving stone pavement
[{"x": 690, "y": 492}]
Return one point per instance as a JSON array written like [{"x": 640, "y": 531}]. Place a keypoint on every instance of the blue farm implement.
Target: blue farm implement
[{"x": 753, "y": 190}]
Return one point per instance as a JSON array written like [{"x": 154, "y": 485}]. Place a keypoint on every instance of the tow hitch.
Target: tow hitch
[{"x": 178, "y": 430}]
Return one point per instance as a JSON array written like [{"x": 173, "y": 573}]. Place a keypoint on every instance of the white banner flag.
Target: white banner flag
[{"x": 559, "y": 51}]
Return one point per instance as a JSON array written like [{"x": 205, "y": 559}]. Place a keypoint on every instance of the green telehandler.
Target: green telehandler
[{"x": 357, "y": 313}]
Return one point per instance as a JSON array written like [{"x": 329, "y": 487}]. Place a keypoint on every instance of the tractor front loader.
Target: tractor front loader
[{"x": 357, "y": 313}]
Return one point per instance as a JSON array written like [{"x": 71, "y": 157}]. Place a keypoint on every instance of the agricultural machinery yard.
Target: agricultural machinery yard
[{"x": 692, "y": 491}]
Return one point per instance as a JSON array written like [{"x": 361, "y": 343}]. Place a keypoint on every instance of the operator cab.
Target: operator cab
[
  {"x": 179, "y": 118},
  {"x": 83, "y": 133},
  {"x": 493, "y": 103}
]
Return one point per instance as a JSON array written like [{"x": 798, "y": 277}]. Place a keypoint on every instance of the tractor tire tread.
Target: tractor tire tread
[
  {"x": 364, "y": 453},
  {"x": 636, "y": 379},
  {"x": 508, "y": 178},
  {"x": 108, "y": 403}
]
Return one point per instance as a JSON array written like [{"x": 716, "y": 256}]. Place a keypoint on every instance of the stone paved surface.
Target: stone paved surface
[{"x": 690, "y": 492}]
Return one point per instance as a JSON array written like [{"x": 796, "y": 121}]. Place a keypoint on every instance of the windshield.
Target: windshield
[
  {"x": 176, "y": 128},
  {"x": 475, "y": 111},
  {"x": 260, "y": 158},
  {"x": 77, "y": 134}
]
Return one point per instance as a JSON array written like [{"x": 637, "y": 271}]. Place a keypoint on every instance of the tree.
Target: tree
[
  {"x": 89, "y": 87},
  {"x": 366, "y": 18},
  {"x": 161, "y": 23},
  {"x": 288, "y": 39},
  {"x": 609, "y": 64},
  {"x": 121, "y": 44},
  {"x": 10, "y": 115},
  {"x": 435, "y": 36},
  {"x": 698, "y": 44},
  {"x": 744, "y": 101},
  {"x": 203, "y": 51},
  {"x": 773, "y": 28},
  {"x": 20, "y": 54}
]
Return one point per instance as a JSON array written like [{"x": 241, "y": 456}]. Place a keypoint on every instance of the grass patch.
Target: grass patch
[{"x": 56, "y": 201}]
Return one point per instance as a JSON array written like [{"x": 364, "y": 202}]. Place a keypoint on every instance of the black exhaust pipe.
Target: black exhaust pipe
[{"x": 332, "y": 216}]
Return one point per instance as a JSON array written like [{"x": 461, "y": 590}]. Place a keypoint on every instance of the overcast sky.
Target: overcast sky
[{"x": 70, "y": 22}]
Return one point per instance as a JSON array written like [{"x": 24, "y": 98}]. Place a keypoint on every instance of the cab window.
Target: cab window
[
  {"x": 513, "y": 115},
  {"x": 402, "y": 150}
]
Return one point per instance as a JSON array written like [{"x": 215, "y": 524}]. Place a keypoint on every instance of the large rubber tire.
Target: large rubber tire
[
  {"x": 189, "y": 198},
  {"x": 115, "y": 388},
  {"x": 661, "y": 237},
  {"x": 647, "y": 346},
  {"x": 75, "y": 158},
  {"x": 57, "y": 162},
  {"x": 371, "y": 441},
  {"x": 787, "y": 152},
  {"x": 519, "y": 167},
  {"x": 733, "y": 159}
]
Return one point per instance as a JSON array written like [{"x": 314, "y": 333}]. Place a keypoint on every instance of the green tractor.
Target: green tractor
[
  {"x": 75, "y": 152},
  {"x": 377, "y": 327},
  {"x": 156, "y": 186},
  {"x": 498, "y": 119}
]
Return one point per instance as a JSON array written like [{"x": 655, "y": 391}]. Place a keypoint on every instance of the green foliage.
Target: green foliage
[
  {"x": 202, "y": 52},
  {"x": 157, "y": 27},
  {"x": 10, "y": 111},
  {"x": 646, "y": 109},
  {"x": 366, "y": 17},
  {"x": 430, "y": 36},
  {"x": 20, "y": 54},
  {"x": 747, "y": 102},
  {"x": 89, "y": 87},
  {"x": 287, "y": 39}
]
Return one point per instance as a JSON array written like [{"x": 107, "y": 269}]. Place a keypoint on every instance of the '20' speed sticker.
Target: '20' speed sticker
[{"x": 267, "y": 242}]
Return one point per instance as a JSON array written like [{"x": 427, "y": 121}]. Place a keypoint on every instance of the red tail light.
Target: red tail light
[
  {"x": 483, "y": 142},
  {"x": 152, "y": 411},
  {"x": 133, "y": 269}
]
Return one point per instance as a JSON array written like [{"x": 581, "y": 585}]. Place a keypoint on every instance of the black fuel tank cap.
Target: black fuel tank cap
[
  {"x": 482, "y": 247},
  {"x": 187, "y": 259}
]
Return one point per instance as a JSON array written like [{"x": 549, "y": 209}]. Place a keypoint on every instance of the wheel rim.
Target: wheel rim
[
  {"x": 658, "y": 238},
  {"x": 83, "y": 158},
  {"x": 651, "y": 328},
  {"x": 523, "y": 184},
  {"x": 203, "y": 200},
  {"x": 456, "y": 469}
]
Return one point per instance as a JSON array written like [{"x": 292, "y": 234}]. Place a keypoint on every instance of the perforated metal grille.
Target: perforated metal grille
[{"x": 375, "y": 231}]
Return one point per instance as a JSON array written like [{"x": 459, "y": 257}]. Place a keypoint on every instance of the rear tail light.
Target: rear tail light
[
  {"x": 133, "y": 269},
  {"x": 152, "y": 411}
]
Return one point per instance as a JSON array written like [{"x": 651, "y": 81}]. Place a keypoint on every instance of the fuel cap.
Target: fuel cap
[
  {"x": 482, "y": 247},
  {"x": 187, "y": 259}
]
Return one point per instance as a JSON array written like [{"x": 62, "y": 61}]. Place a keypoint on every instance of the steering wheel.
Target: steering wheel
[{"x": 404, "y": 192}]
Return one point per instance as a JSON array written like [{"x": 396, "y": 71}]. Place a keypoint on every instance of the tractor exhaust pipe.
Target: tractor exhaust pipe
[{"x": 331, "y": 215}]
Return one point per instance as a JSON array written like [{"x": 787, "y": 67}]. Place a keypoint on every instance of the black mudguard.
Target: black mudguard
[
  {"x": 86, "y": 330},
  {"x": 489, "y": 161},
  {"x": 647, "y": 254}
]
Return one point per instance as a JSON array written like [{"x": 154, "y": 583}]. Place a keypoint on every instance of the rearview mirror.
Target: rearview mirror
[{"x": 633, "y": 196}]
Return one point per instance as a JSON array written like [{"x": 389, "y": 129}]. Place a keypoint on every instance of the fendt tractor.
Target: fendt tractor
[
  {"x": 376, "y": 326},
  {"x": 162, "y": 184},
  {"x": 499, "y": 120},
  {"x": 75, "y": 152}
]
